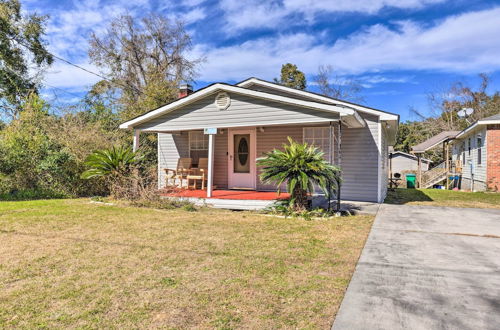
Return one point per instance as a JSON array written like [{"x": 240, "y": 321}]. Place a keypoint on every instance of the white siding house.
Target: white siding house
[
  {"x": 477, "y": 151},
  {"x": 404, "y": 162},
  {"x": 264, "y": 115}
]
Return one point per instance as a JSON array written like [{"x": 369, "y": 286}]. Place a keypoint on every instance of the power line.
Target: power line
[
  {"x": 48, "y": 85},
  {"x": 45, "y": 84},
  {"x": 89, "y": 71}
]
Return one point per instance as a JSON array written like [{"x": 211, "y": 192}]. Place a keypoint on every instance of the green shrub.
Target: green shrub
[{"x": 301, "y": 167}]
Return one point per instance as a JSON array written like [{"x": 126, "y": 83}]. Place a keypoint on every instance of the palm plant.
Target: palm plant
[
  {"x": 301, "y": 166},
  {"x": 111, "y": 163}
]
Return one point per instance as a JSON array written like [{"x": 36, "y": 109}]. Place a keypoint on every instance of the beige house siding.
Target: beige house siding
[
  {"x": 359, "y": 160},
  {"x": 384, "y": 168},
  {"x": 244, "y": 111},
  {"x": 220, "y": 160},
  {"x": 273, "y": 137},
  {"x": 171, "y": 147}
]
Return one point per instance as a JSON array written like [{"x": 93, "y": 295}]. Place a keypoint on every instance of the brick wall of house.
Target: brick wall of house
[{"x": 493, "y": 146}]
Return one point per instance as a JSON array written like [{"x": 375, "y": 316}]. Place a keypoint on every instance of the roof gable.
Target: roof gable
[
  {"x": 404, "y": 154},
  {"x": 348, "y": 115},
  {"x": 243, "y": 111}
]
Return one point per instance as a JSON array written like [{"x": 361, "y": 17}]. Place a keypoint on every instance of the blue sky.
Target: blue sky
[{"x": 399, "y": 50}]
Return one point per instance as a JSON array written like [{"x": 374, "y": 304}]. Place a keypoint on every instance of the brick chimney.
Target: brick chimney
[{"x": 185, "y": 90}]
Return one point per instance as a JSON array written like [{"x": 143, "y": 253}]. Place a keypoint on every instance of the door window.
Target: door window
[{"x": 241, "y": 153}]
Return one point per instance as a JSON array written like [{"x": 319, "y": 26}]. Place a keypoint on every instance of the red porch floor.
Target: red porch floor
[{"x": 230, "y": 194}]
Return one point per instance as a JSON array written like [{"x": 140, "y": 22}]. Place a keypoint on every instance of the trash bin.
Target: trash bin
[{"x": 411, "y": 180}]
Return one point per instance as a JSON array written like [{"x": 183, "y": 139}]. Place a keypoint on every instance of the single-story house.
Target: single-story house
[
  {"x": 477, "y": 150},
  {"x": 233, "y": 125},
  {"x": 404, "y": 162}
]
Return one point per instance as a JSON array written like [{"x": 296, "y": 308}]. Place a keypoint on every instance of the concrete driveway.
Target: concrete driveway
[{"x": 426, "y": 267}]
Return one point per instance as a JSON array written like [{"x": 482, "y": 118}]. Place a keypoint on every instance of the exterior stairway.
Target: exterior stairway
[{"x": 434, "y": 175}]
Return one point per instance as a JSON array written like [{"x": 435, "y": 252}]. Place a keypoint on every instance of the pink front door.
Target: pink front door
[{"x": 241, "y": 159}]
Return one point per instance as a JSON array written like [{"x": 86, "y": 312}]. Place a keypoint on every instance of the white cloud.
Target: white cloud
[
  {"x": 252, "y": 14},
  {"x": 369, "y": 81},
  {"x": 67, "y": 76},
  {"x": 456, "y": 44},
  {"x": 68, "y": 32},
  {"x": 191, "y": 16}
]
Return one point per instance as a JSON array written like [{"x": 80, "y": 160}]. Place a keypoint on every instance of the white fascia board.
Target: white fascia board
[
  {"x": 477, "y": 124},
  {"x": 238, "y": 90},
  {"x": 381, "y": 114},
  {"x": 489, "y": 122},
  {"x": 226, "y": 126},
  {"x": 467, "y": 130}
]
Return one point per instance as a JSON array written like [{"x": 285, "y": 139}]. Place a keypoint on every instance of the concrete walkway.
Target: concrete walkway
[{"x": 426, "y": 267}]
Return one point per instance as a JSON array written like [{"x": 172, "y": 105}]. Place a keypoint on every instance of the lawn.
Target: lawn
[
  {"x": 439, "y": 197},
  {"x": 72, "y": 263}
]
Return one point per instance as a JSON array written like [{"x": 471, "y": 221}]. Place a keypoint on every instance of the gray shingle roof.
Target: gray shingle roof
[
  {"x": 494, "y": 117},
  {"x": 434, "y": 141}
]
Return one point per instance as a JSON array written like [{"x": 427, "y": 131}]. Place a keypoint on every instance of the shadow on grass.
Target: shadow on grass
[{"x": 402, "y": 196}]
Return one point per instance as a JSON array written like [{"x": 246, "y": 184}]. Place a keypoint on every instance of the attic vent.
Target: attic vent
[{"x": 222, "y": 101}]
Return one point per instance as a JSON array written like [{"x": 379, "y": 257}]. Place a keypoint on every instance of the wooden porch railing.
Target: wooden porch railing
[{"x": 434, "y": 175}]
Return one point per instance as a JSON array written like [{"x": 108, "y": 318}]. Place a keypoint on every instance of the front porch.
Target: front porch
[
  {"x": 228, "y": 199},
  {"x": 229, "y": 157},
  {"x": 228, "y": 194}
]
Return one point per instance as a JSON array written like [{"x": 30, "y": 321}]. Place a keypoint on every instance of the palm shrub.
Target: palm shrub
[
  {"x": 301, "y": 167},
  {"x": 116, "y": 165}
]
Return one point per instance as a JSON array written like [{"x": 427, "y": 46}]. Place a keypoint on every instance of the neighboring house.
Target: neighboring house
[
  {"x": 256, "y": 116},
  {"x": 477, "y": 150},
  {"x": 403, "y": 162}
]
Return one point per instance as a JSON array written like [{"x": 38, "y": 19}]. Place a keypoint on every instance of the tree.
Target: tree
[
  {"x": 336, "y": 87},
  {"x": 22, "y": 50},
  {"x": 291, "y": 76},
  {"x": 301, "y": 166},
  {"x": 444, "y": 107},
  {"x": 146, "y": 60}
]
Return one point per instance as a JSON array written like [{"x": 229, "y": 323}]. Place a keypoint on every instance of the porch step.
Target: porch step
[{"x": 230, "y": 204}]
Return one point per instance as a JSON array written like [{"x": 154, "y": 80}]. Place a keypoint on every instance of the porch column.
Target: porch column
[
  {"x": 419, "y": 158},
  {"x": 135, "y": 145},
  {"x": 210, "y": 164},
  {"x": 447, "y": 164}
]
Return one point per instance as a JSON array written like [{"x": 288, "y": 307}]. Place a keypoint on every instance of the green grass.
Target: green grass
[
  {"x": 441, "y": 197},
  {"x": 76, "y": 264}
]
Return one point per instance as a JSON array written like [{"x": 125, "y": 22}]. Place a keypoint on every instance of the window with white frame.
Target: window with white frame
[
  {"x": 463, "y": 154},
  {"x": 198, "y": 141},
  {"x": 198, "y": 146},
  {"x": 320, "y": 138},
  {"x": 479, "y": 145}
]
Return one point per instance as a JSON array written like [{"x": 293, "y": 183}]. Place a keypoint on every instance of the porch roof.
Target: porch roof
[{"x": 434, "y": 141}]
